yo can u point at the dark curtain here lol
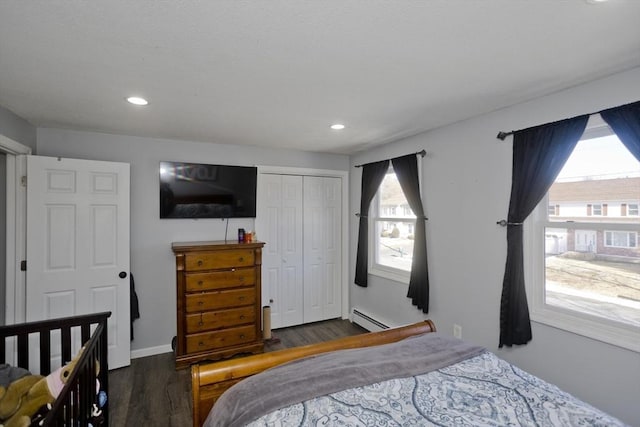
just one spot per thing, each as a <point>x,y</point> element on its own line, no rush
<point>539,153</point>
<point>625,122</point>
<point>406,169</point>
<point>372,176</point>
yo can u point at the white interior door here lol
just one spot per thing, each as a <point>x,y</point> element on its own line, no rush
<point>280,226</point>
<point>332,247</point>
<point>78,244</point>
<point>322,248</point>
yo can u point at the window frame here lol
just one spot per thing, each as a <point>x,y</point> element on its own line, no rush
<point>380,270</point>
<point>594,327</point>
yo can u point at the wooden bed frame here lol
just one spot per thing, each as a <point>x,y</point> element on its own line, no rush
<point>74,405</point>
<point>210,380</point>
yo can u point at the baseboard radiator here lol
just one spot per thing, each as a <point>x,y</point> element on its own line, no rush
<point>366,321</point>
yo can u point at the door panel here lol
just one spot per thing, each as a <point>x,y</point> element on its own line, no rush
<point>281,219</point>
<point>322,248</point>
<point>78,243</point>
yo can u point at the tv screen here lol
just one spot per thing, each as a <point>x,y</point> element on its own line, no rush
<point>193,190</point>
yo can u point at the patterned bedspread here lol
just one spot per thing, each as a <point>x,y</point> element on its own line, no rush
<point>481,391</point>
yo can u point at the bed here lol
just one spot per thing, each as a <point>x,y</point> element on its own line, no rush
<point>34,345</point>
<point>405,376</point>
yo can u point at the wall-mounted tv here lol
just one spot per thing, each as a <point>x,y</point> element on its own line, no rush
<point>194,190</point>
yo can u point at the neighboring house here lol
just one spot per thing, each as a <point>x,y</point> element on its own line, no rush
<point>599,201</point>
<point>393,204</point>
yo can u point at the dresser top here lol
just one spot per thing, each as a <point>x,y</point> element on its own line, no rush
<point>213,245</point>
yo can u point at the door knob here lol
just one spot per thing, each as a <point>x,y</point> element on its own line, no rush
<point>122,275</point>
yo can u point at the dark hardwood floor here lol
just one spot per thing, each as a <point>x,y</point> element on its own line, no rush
<point>151,392</point>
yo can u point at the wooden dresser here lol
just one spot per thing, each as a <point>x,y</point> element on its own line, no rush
<point>218,300</point>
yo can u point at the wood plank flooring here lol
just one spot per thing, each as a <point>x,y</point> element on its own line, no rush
<point>151,392</point>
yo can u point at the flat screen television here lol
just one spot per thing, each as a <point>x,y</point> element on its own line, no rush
<point>194,190</point>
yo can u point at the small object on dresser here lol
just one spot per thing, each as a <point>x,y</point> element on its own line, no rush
<point>240,235</point>
<point>248,237</point>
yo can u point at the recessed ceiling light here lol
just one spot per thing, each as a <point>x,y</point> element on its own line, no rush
<point>136,100</point>
<point>337,126</point>
<point>595,1</point>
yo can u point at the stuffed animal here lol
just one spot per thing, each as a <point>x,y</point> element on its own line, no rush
<point>27,395</point>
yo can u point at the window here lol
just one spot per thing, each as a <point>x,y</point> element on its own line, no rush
<point>392,228</point>
<point>620,239</point>
<point>585,274</point>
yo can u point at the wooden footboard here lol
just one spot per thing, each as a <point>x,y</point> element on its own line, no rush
<point>210,380</point>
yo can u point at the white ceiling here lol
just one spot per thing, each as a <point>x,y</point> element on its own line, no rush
<point>279,72</point>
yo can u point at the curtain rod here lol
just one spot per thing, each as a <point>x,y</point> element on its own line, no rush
<point>502,135</point>
<point>422,154</point>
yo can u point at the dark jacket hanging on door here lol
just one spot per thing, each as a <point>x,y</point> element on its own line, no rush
<point>135,308</point>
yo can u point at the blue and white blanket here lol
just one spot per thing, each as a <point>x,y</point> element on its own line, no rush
<point>479,390</point>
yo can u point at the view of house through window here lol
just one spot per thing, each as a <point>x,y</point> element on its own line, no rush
<point>394,227</point>
<point>592,252</point>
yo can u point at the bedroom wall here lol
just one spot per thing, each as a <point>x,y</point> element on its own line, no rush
<point>15,127</point>
<point>466,186</point>
<point>152,261</point>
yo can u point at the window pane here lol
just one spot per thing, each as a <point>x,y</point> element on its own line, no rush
<point>392,202</point>
<point>395,244</point>
<point>393,247</point>
<point>588,282</point>
<point>595,269</point>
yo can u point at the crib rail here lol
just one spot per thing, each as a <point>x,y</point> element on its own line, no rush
<point>75,403</point>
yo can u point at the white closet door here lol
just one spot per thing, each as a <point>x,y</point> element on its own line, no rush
<point>332,248</point>
<point>280,227</point>
<point>322,253</point>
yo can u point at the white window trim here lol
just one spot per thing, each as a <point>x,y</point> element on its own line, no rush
<point>598,328</point>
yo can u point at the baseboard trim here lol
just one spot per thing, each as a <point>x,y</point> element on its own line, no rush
<point>367,322</point>
<point>151,351</point>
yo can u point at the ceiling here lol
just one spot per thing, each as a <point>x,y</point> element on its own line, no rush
<point>278,73</point>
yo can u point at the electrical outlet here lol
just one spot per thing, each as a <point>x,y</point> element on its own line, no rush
<point>457,331</point>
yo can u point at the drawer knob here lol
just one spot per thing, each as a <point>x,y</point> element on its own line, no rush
<point>201,344</point>
<point>233,269</point>
<point>200,323</point>
<point>241,335</point>
<point>199,262</point>
<point>241,316</point>
<point>200,302</point>
<point>241,279</point>
<point>199,282</point>
<point>241,298</point>
<point>241,259</point>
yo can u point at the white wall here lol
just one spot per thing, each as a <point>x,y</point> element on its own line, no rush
<point>466,187</point>
<point>152,261</point>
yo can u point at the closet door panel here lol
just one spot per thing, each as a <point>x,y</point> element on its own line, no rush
<point>270,196</point>
<point>313,249</point>
<point>292,250</point>
<point>281,228</point>
<point>332,247</point>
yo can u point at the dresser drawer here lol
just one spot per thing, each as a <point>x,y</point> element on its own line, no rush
<point>205,301</point>
<point>211,320</point>
<point>199,261</point>
<point>226,337</point>
<point>220,279</point>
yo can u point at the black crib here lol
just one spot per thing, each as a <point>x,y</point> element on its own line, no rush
<point>75,404</point>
